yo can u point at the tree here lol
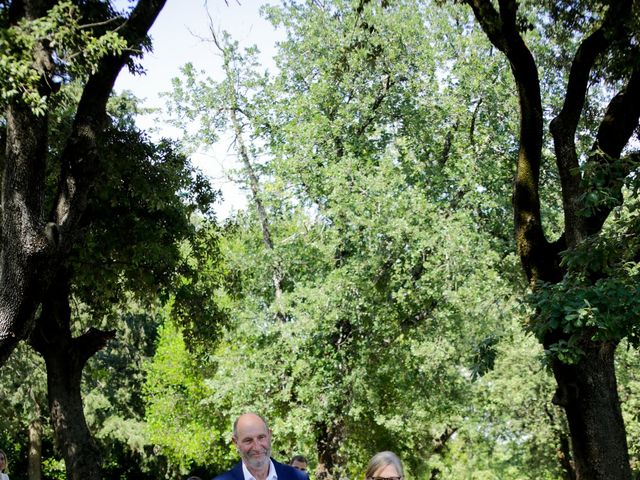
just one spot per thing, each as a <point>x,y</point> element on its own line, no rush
<point>229,105</point>
<point>44,44</point>
<point>24,410</point>
<point>135,225</point>
<point>510,430</point>
<point>178,416</point>
<point>112,392</point>
<point>138,231</point>
<point>579,317</point>
<point>374,229</point>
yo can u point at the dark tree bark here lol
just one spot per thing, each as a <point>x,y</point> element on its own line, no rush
<point>588,393</point>
<point>439,447</point>
<point>328,439</point>
<point>33,243</point>
<point>65,357</point>
<point>586,390</point>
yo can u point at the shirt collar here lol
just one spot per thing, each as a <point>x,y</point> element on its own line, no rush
<point>271,475</point>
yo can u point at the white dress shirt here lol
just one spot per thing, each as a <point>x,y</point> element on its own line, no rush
<point>271,475</point>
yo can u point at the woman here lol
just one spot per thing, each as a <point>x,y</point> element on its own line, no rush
<point>384,466</point>
<point>3,465</point>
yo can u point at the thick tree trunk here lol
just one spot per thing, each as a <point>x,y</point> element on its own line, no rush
<point>35,450</point>
<point>65,358</point>
<point>32,245</point>
<point>24,243</point>
<point>81,454</point>
<point>588,393</point>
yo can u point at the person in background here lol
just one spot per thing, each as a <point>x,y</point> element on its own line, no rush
<point>252,438</point>
<point>3,466</point>
<point>299,462</point>
<point>384,466</point>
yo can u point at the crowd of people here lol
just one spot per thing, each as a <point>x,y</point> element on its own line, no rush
<point>252,438</point>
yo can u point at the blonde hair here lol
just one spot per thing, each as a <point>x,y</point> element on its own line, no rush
<point>381,460</point>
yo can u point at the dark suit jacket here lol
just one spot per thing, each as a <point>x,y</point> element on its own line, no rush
<point>284,472</point>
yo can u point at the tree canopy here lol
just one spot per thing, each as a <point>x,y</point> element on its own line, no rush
<point>438,255</point>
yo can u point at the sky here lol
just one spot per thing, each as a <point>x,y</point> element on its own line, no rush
<point>177,39</point>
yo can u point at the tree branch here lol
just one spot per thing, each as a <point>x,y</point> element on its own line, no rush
<point>80,157</point>
<point>90,342</point>
<point>617,127</point>
<point>502,31</point>
<point>563,127</point>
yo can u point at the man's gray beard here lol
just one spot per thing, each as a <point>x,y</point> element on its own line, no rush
<point>259,463</point>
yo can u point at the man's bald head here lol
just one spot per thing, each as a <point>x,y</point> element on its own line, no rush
<point>248,418</point>
<point>252,437</point>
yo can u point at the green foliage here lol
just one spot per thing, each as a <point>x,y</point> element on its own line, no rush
<point>112,395</point>
<point>152,192</point>
<point>598,297</point>
<point>385,160</point>
<point>75,47</point>
<point>177,417</point>
<point>512,430</point>
<point>628,371</point>
<point>200,106</point>
<point>23,393</point>
<point>602,180</point>
<point>54,469</point>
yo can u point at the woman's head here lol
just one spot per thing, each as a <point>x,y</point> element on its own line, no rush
<point>3,461</point>
<point>384,466</point>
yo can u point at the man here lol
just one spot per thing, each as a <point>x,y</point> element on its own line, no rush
<point>299,463</point>
<point>252,438</point>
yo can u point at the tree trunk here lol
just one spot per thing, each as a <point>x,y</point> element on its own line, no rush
<point>257,200</point>
<point>588,393</point>
<point>243,152</point>
<point>23,242</point>
<point>65,358</point>
<point>328,438</point>
<point>32,245</point>
<point>81,454</point>
<point>35,450</point>
<point>587,390</point>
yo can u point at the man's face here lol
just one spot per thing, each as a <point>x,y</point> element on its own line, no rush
<point>299,465</point>
<point>253,441</point>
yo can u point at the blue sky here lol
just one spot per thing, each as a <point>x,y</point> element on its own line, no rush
<point>176,36</point>
<point>175,40</point>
